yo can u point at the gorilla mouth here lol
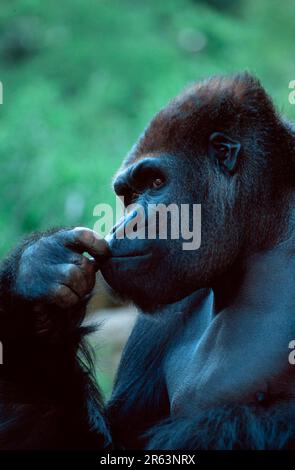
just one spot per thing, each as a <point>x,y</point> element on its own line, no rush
<point>127,250</point>
<point>130,256</point>
<point>127,261</point>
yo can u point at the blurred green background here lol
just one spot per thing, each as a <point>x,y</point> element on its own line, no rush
<point>81,80</point>
<point>83,77</point>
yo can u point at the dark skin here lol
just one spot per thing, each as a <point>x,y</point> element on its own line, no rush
<point>65,276</point>
<point>235,364</point>
<point>222,145</point>
<point>224,367</point>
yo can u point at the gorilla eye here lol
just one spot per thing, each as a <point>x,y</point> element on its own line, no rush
<point>157,183</point>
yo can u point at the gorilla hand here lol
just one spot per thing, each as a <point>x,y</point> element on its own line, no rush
<point>53,268</point>
<point>45,284</point>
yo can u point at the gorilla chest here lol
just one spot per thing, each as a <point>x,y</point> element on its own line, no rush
<point>228,359</point>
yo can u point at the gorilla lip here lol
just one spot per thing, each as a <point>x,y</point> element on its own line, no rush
<point>129,256</point>
<point>127,259</point>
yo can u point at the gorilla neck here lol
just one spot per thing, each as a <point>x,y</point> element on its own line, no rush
<point>265,279</point>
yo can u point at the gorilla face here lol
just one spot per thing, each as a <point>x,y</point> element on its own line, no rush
<point>145,268</point>
<point>209,146</point>
<point>167,266</point>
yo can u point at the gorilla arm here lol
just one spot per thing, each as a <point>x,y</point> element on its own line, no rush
<point>46,394</point>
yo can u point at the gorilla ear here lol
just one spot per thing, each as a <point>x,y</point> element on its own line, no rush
<point>225,150</point>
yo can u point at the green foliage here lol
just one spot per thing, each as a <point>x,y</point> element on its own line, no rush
<point>83,77</point>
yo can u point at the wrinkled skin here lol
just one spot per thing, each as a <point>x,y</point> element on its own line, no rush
<point>65,276</point>
<point>187,270</point>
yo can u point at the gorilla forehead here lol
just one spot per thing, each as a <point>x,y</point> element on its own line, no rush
<point>219,103</point>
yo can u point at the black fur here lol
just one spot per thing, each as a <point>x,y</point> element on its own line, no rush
<point>240,427</point>
<point>48,396</point>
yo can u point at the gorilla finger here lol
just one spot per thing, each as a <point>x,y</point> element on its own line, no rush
<point>88,268</point>
<point>82,239</point>
<point>64,297</point>
<point>75,279</point>
<point>79,281</point>
<point>85,262</point>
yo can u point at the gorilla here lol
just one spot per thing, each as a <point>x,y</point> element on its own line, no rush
<point>206,365</point>
<point>209,368</point>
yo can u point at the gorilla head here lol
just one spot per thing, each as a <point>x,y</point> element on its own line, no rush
<point>219,144</point>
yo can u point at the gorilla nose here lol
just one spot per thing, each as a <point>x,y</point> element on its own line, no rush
<point>114,230</point>
<point>122,183</point>
<point>125,226</point>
